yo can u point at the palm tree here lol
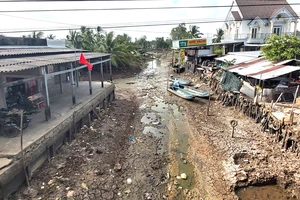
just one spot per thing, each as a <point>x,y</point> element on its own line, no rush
<point>218,36</point>
<point>51,36</point>
<point>122,53</point>
<point>74,39</point>
<point>179,32</point>
<point>36,34</point>
<point>194,32</point>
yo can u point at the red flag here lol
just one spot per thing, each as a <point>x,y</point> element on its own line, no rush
<point>82,60</point>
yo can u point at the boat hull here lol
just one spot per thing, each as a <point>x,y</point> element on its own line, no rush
<point>182,93</point>
<point>197,92</point>
<point>181,81</point>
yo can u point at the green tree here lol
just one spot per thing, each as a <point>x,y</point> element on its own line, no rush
<point>194,32</point>
<point>74,39</point>
<point>36,34</point>
<point>122,54</point>
<point>282,47</point>
<point>51,36</point>
<point>218,37</point>
<point>179,32</point>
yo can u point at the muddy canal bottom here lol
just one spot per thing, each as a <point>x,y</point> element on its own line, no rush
<point>167,123</point>
<point>269,192</point>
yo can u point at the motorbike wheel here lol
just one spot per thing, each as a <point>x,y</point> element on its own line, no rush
<point>9,130</point>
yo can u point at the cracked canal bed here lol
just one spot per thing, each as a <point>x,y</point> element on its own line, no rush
<point>167,123</point>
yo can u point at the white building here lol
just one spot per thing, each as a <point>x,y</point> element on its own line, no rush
<point>250,22</point>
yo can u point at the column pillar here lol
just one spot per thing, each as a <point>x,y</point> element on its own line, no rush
<point>46,94</point>
<point>73,86</point>
<point>271,27</point>
<point>110,70</point>
<point>288,27</point>
<point>295,27</point>
<point>101,68</point>
<point>60,81</point>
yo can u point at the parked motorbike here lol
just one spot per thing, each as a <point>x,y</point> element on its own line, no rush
<point>10,121</point>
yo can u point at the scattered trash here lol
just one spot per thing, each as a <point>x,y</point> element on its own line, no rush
<point>131,126</point>
<point>119,194</point>
<point>176,183</point>
<point>183,176</point>
<point>83,185</point>
<point>156,123</point>
<point>42,187</point>
<point>68,188</point>
<point>131,139</point>
<point>50,182</point>
<point>148,196</point>
<point>178,177</point>
<point>117,167</point>
<point>179,188</point>
<point>162,119</point>
<point>168,175</point>
<point>127,191</point>
<point>129,181</point>
<point>70,193</point>
<point>184,161</point>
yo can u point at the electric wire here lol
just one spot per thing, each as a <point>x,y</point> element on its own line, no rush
<point>144,8</point>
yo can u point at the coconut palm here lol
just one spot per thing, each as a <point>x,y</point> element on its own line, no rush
<point>51,36</point>
<point>36,34</point>
<point>194,32</point>
<point>74,39</point>
<point>218,36</point>
<point>179,32</point>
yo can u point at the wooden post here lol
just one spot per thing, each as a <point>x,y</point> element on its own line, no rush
<point>292,112</point>
<point>47,108</point>
<point>73,86</point>
<point>22,150</point>
<point>102,79</point>
<point>110,70</point>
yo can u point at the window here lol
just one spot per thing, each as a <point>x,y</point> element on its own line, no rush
<point>254,33</point>
<point>277,30</point>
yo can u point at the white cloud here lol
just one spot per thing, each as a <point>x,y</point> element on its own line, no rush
<point>114,18</point>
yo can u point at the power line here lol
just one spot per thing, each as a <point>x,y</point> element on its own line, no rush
<point>120,26</point>
<point>142,8</point>
<point>108,27</point>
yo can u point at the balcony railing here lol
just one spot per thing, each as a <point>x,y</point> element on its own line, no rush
<point>259,38</point>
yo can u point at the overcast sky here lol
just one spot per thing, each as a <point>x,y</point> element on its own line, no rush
<point>15,21</point>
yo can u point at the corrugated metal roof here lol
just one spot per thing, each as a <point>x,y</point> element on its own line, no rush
<point>19,64</point>
<point>26,51</point>
<point>240,56</point>
<point>263,69</point>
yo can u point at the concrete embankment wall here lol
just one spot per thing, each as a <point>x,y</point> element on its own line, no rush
<point>45,147</point>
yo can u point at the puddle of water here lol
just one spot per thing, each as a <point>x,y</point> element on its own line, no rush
<point>269,192</point>
<point>149,118</point>
<point>174,121</point>
<point>153,131</point>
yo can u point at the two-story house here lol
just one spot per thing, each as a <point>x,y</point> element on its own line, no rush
<point>250,22</point>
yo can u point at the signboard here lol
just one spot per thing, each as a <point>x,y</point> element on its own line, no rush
<point>182,55</point>
<point>183,43</point>
<point>198,42</point>
<point>192,43</point>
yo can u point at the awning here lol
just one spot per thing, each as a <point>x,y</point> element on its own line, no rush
<point>8,65</point>
<point>261,68</point>
<point>275,73</point>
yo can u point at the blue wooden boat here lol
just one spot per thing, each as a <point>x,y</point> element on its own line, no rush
<point>181,93</point>
<point>181,81</point>
<point>196,92</point>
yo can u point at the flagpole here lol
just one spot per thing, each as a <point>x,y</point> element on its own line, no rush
<point>90,79</point>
